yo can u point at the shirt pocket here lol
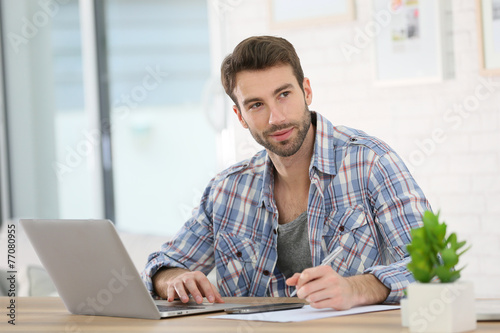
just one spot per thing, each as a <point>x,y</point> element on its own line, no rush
<point>349,229</point>
<point>236,258</point>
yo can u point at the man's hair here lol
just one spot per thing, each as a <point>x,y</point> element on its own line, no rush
<point>256,53</point>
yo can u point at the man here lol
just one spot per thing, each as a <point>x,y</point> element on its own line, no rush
<point>268,222</point>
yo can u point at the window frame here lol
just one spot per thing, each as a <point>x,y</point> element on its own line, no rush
<point>5,190</point>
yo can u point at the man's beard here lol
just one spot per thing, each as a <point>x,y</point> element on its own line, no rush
<point>287,147</point>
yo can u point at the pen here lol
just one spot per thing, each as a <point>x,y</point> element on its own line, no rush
<point>328,259</point>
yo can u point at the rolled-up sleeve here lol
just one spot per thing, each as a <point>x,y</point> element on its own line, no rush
<point>398,205</point>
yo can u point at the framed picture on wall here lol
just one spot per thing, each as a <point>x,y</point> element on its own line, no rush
<point>408,48</point>
<point>488,19</point>
<point>300,13</point>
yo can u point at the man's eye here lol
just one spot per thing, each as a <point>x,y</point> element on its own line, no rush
<point>256,105</point>
<point>284,94</point>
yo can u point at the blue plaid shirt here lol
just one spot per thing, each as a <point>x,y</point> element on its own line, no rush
<point>362,198</point>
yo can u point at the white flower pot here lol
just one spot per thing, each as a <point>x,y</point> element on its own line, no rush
<point>441,307</point>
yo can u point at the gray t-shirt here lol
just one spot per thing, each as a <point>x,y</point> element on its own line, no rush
<point>294,252</point>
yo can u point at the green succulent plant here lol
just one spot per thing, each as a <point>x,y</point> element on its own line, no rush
<point>432,253</point>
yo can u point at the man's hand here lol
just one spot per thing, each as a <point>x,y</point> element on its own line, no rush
<point>172,283</point>
<point>322,287</point>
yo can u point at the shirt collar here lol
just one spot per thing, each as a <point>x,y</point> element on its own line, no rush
<point>323,158</point>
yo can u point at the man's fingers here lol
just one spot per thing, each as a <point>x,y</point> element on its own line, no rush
<point>206,288</point>
<point>312,280</point>
<point>292,281</point>
<point>315,292</point>
<point>313,273</point>
<point>192,285</point>
<point>218,297</point>
<point>209,290</point>
<point>178,285</point>
<point>324,303</point>
<point>183,285</point>
<point>305,277</point>
<point>171,294</point>
<point>198,285</point>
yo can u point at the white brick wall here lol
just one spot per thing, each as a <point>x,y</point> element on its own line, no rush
<point>461,176</point>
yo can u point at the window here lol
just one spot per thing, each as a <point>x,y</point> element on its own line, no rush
<point>163,145</point>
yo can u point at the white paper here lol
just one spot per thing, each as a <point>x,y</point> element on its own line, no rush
<point>305,313</point>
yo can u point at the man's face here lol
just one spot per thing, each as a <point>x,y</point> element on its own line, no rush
<point>274,108</point>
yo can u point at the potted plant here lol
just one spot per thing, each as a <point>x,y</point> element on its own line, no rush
<point>438,301</point>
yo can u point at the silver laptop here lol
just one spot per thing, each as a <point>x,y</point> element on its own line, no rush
<point>94,274</point>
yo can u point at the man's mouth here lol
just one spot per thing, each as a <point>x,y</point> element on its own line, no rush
<point>282,135</point>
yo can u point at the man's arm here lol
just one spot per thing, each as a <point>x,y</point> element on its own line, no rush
<point>181,253</point>
<point>322,287</point>
<point>398,204</point>
<point>172,283</point>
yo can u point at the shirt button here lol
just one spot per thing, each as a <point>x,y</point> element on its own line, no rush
<point>239,254</point>
<point>341,228</point>
<point>354,139</point>
<point>266,272</point>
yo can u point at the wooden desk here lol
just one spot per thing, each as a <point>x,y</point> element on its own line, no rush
<point>48,314</point>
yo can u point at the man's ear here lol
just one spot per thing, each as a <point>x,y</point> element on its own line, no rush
<point>307,91</point>
<point>240,117</point>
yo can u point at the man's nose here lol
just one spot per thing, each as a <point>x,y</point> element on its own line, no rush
<point>277,114</point>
